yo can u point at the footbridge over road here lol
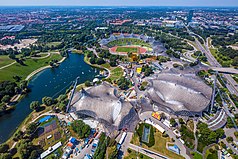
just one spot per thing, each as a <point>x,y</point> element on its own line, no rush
<point>227,70</point>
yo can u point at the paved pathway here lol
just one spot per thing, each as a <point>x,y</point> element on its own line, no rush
<point>41,69</point>
<point>147,152</point>
<point>7,65</point>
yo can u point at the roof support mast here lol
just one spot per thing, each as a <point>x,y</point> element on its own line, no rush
<point>72,94</point>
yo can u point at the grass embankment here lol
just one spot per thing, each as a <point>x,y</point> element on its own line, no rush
<point>29,66</point>
<point>193,44</point>
<point>26,121</point>
<point>116,73</point>
<point>211,153</point>
<point>235,77</point>
<point>223,60</point>
<point>209,42</point>
<point>159,146</point>
<point>131,154</point>
<point>196,155</point>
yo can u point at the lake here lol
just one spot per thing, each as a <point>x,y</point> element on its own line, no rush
<point>50,82</point>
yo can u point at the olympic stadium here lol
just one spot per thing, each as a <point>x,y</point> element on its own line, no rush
<point>102,103</point>
<point>145,44</point>
<point>179,94</point>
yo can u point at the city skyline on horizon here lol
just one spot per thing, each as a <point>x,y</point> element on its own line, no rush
<point>172,3</point>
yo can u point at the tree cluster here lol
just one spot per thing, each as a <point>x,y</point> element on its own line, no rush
<point>207,136</point>
<point>123,83</point>
<point>82,129</point>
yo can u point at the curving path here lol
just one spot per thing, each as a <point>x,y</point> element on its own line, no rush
<point>41,69</point>
<point>7,65</point>
<point>43,57</point>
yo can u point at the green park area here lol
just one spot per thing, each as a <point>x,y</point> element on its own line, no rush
<point>116,73</point>
<point>127,49</point>
<point>225,61</point>
<point>159,143</point>
<point>28,66</point>
<point>5,60</point>
<point>196,155</point>
<point>211,153</point>
<point>128,41</point>
<point>131,154</point>
<point>53,44</point>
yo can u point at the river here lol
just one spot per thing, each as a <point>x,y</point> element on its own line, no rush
<point>49,82</point>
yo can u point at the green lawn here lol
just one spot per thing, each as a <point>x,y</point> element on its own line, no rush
<point>5,60</point>
<point>160,145</point>
<point>127,49</point>
<point>53,43</point>
<point>196,155</point>
<point>211,155</point>
<point>30,66</point>
<point>116,73</point>
<point>133,155</point>
<point>223,60</point>
<point>128,41</point>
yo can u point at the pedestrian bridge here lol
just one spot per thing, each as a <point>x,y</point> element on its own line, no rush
<point>225,70</point>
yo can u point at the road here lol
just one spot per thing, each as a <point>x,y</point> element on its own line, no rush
<point>147,152</point>
<point>85,150</point>
<point>231,83</point>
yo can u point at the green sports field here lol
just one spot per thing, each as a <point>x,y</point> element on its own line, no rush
<point>127,49</point>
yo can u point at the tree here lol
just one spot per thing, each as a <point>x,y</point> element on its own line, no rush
<point>100,61</point>
<point>229,123</point>
<point>87,83</point>
<point>31,128</point>
<point>5,156</point>
<point>6,99</point>
<point>92,60</point>
<point>4,148</point>
<point>61,97</point>
<point>23,85</point>
<point>173,122</point>
<point>181,121</point>
<point>220,133</point>
<point>34,154</point>
<point>230,151</point>
<point>17,78</point>
<point>35,105</point>
<point>236,134</point>
<point>12,56</point>
<point>82,129</point>
<point>47,101</point>
<point>17,136</point>
<point>123,83</point>
<point>229,139</point>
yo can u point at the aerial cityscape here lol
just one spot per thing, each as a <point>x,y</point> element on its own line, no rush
<point>119,80</point>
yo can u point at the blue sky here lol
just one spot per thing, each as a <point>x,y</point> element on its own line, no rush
<point>119,2</point>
